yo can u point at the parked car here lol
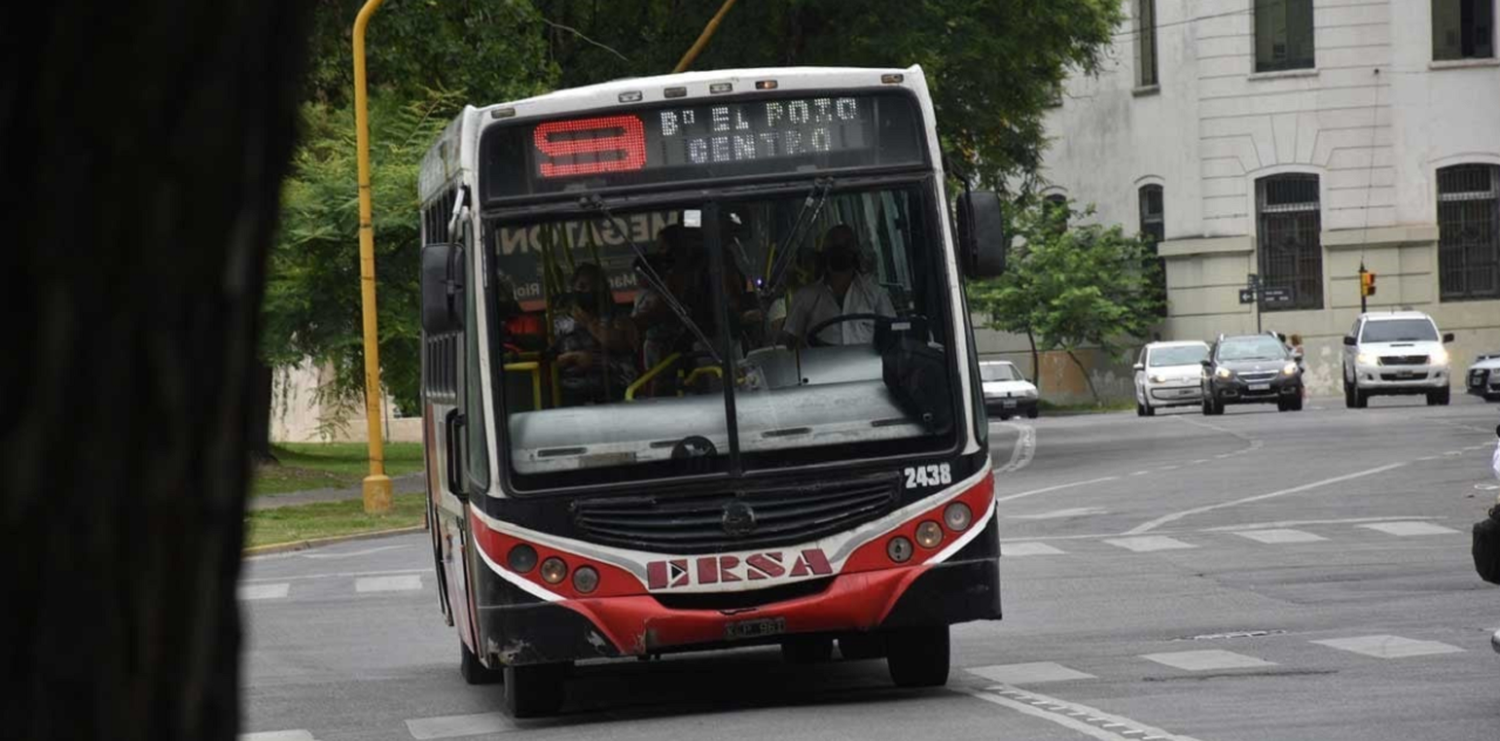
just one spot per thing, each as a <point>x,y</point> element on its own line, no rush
<point>1006,390</point>
<point>1169,374</point>
<point>1484,377</point>
<point>1398,352</point>
<point>1251,369</point>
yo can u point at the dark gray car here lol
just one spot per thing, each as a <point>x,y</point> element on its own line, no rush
<point>1251,369</point>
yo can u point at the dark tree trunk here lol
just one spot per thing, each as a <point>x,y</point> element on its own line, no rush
<point>1088,379</point>
<point>143,145</point>
<point>1036,360</point>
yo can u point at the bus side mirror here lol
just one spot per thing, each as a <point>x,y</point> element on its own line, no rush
<point>982,242</point>
<point>442,288</point>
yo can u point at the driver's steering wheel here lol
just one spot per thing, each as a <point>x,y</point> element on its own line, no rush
<point>811,339</point>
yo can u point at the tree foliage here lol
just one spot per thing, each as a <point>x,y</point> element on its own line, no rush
<point>1072,286</point>
<point>992,65</point>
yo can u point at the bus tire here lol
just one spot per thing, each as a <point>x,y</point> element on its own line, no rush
<point>807,650</point>
<point>535,690</point>
<point>918,657</point>
<point>474,672</point>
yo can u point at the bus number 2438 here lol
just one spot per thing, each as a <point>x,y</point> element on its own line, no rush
<point>935,475</point>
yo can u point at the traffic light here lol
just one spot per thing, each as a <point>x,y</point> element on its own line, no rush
<point>1366,283</point>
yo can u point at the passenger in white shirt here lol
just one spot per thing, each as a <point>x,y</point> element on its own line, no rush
<point>842,290</point>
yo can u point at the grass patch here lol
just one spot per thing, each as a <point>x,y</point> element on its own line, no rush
<point>303,466</point>
<point>329,519</point>
<point>1123,405</point>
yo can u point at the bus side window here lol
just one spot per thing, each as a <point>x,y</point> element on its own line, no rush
<point>476,449</point>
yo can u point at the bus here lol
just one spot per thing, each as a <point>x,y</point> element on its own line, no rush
<point>698,374</point>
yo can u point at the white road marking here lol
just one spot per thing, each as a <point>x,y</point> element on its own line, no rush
<point>1149,543</point>
<point>264,591</point>
<point>1139,473</point>
<point>1059,513</point>
<point>453,726</point>
<point>339,575</point>
<point>1280,535</point>
<point>1299,523</point>
<point>1033,673</point>
<point>1024,450</point>
<point>298,735</point>
<point>404,583</point>
<point>1169,468</point>
<point>1207,660</point>
<point>1028,549</point>
<point>350,554</point>
<point>1389,647</point>
<point>1018,700</point>
<point>1158,522</point>
<point>1405,529</point>
<point>1059,487</point>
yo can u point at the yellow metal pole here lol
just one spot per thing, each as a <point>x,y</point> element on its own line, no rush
<point>377,486</point>
<point>708,33</point>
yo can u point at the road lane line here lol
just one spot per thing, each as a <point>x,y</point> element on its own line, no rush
<point>1059,487</point>
<point>337,575</point>
<point>298,735</point>
<point>1149,543</point>
<point>1277,536</point>
<point>1018,700</point>
<point>1207,660</point>
<point>453,726</point>
<point>1389,647</point>
<point>1028,549</point>
<point>350,554</point>
<point>1300,523</point>
<point>249,592</point>
<point>1175,516</point>
<point>1032,673</point>
<point>1406,529</point>
<point>388,583</point>
<point>1024,449</point>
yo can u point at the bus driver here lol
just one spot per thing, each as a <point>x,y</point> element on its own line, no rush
<point>842,290</point>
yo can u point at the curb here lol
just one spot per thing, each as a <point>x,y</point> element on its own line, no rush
<point>302,545</point>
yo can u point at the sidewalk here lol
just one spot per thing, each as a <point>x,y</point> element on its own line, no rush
<point>410,483</point>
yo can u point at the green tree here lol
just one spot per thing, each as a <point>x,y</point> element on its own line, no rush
<point>1072,285</point>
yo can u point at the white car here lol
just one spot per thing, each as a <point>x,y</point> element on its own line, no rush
<point>1484,378</point>
<point>1397,352</point>
<point>1169,374</point>
<point>1006,390</point>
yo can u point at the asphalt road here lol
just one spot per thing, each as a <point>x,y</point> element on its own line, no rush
<point>1259,575</point>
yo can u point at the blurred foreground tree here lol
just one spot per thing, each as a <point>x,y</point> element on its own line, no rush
<point>143,145</point>
<point>1072,285</point>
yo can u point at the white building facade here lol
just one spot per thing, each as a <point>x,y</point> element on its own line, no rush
<point>1297,140</point>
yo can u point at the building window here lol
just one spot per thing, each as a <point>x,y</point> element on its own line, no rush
<point>1154,231</point>
<point>1463,29</point>
<point>1283,35</point>
<point>1291,247</point>
<point>1145,43</point>
<point>1469,232</point>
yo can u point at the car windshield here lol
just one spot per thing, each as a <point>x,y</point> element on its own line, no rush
<point>999,372</point>
<point>1177,355</point>
<point>1399,330</point>
<point>827,311</point>
<point>1262,347</point>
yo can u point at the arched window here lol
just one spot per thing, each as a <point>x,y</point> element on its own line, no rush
<point>1469,232</point>
<point>1290,244</point>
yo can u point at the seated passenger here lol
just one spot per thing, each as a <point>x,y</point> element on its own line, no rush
<point>594,344</point>
<point>844,289</point>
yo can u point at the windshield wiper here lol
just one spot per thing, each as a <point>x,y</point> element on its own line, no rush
<point>648,271</point>
<point>783,261</point>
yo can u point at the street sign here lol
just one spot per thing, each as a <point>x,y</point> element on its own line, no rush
<point>1276,296</point>
<point>1253,280</point>
<point>1247,295</point>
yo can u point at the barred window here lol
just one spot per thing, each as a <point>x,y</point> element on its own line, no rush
<point>1291,247</point>
<point>1463,29</point>
<point>1153,229</point>
<point>1283,35</point>
<point>1145,43</point>
<point>1469,232</point>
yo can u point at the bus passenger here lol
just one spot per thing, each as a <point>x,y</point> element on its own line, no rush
<point>843,290</point>
<point>595,344</point>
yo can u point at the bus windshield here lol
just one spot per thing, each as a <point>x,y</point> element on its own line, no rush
<point>625,328</point>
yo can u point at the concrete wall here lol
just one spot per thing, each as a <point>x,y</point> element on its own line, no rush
<point>1059,380</point>
<point>298,415</point>
<point>1213,127</point>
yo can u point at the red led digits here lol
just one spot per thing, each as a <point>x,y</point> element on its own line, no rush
<point>592,136</point>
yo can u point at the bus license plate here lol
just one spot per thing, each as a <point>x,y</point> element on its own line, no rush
<point>745,629</point>
<point>1260,387</point>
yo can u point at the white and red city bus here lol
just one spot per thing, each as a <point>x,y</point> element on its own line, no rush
<point>698,374</point>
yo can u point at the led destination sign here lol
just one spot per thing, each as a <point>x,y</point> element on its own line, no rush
<point>701,142</point>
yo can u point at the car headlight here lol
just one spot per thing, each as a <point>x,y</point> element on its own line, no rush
<point>1290,369</point>
<point>1439,357</point>
<point>1364,358</point>
<point>1224,373</point>
<point>1158,379</point>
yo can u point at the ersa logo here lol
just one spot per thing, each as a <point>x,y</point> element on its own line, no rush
<point>769,566</point>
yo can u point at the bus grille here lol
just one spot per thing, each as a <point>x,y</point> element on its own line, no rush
<point>707,523</point>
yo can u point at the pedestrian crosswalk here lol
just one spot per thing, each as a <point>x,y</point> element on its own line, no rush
<point>1204,538</point>
<point>333,586</point>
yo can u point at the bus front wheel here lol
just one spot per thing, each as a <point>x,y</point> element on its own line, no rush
<point>535,690</point>
<point>474,672</point>
<point>918,657</point>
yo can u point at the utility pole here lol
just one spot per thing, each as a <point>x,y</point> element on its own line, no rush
<point>377,486</point>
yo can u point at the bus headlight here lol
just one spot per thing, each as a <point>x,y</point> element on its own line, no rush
<point>522,558</point>
<point>899,549</point>
<point>585,579</point>
<point>929,534</point>
<point>958,517</point>
<point>554,570</point>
